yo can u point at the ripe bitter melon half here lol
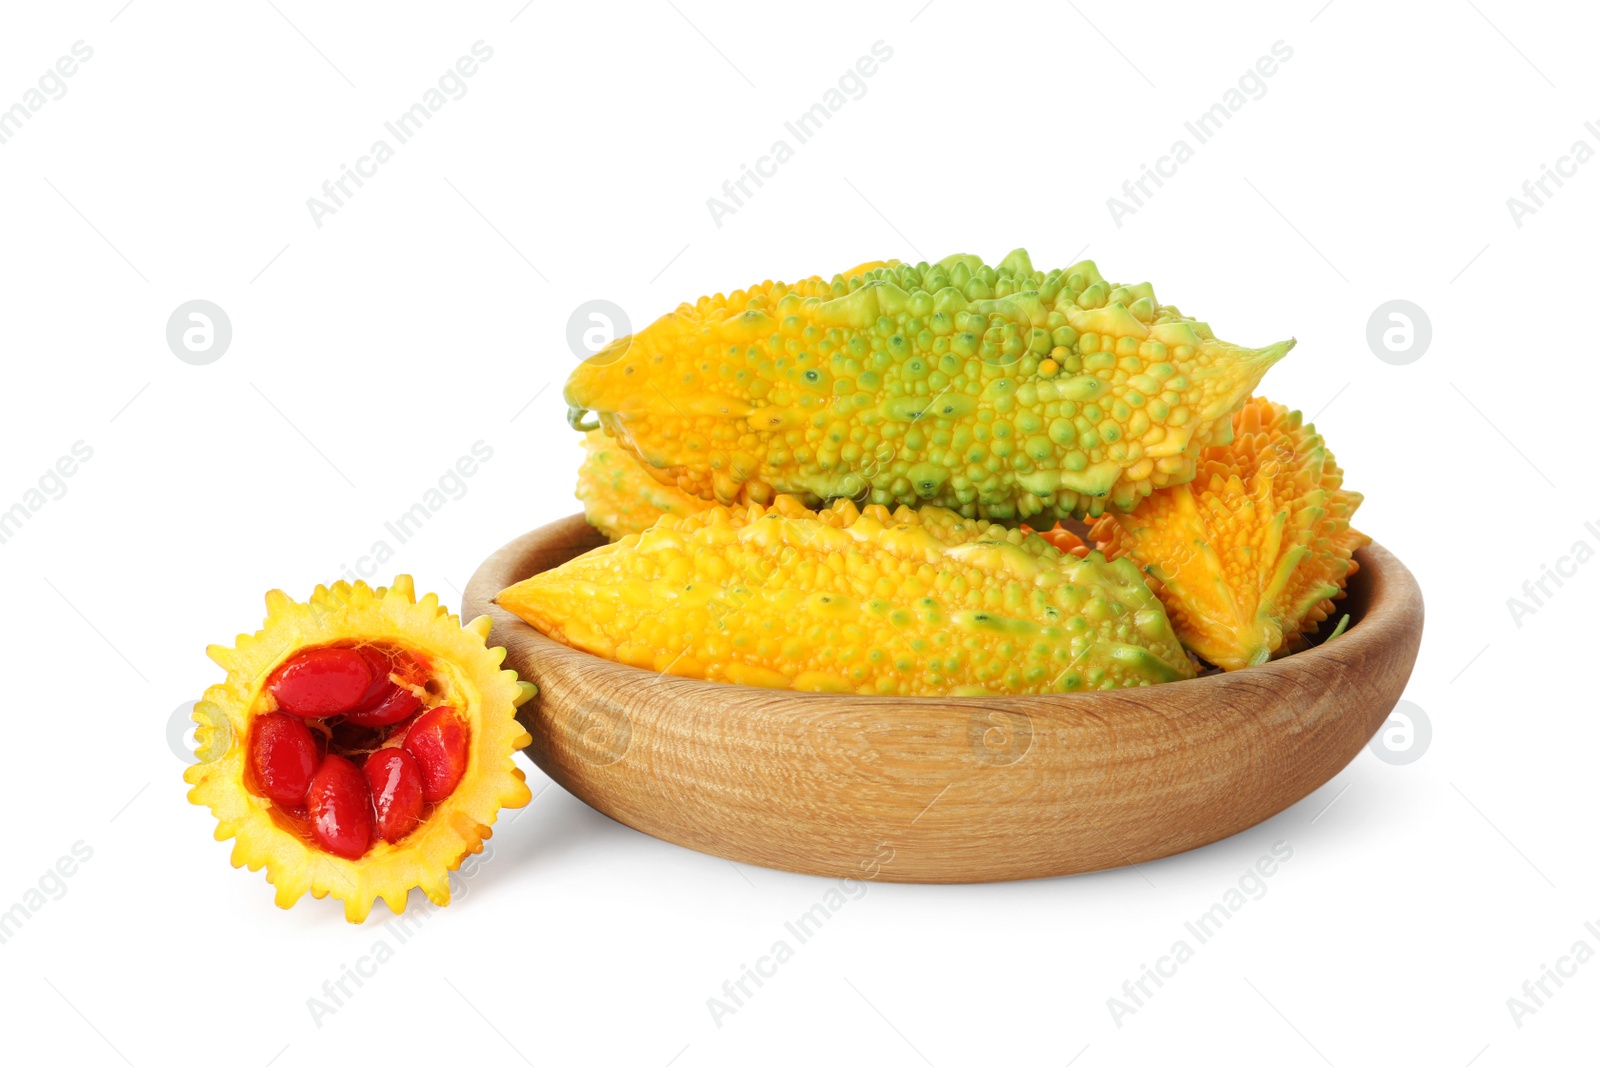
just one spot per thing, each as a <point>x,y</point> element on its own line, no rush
<point>360,745</point>
<point>1003,393</point>
<point>1250,556</point>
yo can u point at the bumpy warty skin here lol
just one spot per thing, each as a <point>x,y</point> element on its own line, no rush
<point>1002,393</point>
<point>619,496</point>
<point>913,602</point>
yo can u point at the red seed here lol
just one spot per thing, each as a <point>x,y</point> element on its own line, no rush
<point>438,742</point>
<point>396,785</point>
<point>378,663</point>
<point>387,702</point>
<point>397,705</point>
<point>341,809</point>
<point>320,682</point>
<point>283,757</point>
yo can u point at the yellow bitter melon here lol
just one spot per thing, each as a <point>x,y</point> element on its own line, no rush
<point>1001,392</point>
<point>620,495</point>
<point>1252,553</point>
<point>847,600</point>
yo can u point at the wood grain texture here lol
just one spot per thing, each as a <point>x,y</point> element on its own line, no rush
<point>951,789</point>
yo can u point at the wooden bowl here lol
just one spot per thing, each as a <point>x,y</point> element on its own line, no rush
<point>950,789</point>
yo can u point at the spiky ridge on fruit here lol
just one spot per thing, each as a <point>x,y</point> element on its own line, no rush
<point>916,602</point>
<point>485,695</point>
<point>1001,392</point>
<point>621,495</point>
<point>1253,552</point>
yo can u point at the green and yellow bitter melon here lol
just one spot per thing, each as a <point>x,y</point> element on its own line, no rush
<point>1002,393</point>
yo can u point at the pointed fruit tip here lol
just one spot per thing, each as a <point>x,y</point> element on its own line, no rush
<point>1272,353</point>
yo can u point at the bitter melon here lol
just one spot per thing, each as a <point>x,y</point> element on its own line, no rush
<point>1252,553</point>
<point>360,745</point>
<point>620,496</point>
<point>846,600</point>
<point>1001,392</point>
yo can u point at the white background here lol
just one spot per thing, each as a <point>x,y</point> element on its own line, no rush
<point>429,313</point>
